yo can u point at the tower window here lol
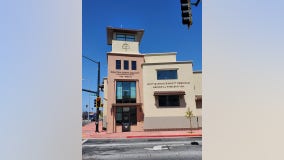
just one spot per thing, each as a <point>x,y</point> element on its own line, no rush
<point>133,65</point>
<point>126,64</point>
<point>118,64</point>
<point>125,37</point>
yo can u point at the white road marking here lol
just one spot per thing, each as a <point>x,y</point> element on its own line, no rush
<point>84,141</point>
<point>163,147</point>
<point>157,148</point>
<point>175,145</point>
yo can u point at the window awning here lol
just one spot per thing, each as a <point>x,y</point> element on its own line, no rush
<point>160,93</point>
<point>198,97</point>
<point>126,104</point>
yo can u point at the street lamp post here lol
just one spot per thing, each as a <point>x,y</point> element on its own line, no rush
<point>98,91</point>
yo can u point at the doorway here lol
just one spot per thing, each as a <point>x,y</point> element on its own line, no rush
<point>125,115</point>
<point>126,119</point>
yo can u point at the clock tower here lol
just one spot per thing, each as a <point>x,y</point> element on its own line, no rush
<point>125,41</point>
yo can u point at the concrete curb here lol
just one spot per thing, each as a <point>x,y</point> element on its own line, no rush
<point>161,136</point>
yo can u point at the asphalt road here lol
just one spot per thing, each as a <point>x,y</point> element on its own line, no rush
<point>143,149</point>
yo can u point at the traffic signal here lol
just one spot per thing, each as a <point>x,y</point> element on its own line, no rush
<point>98,102</point>
<point>186,12</point>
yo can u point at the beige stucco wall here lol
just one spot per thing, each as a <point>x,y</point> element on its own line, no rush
<point>197,81</point>
<point>117,47</point>
<point>160,57</point>
<point>178,122</point>
<point>150,76</point>
<point>157,117</point>
<point>105,102</point>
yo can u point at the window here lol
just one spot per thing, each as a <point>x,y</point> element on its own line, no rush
<point>118,64</point>
<point>133,65</point>
<point>125,37</point>
<point>126,64</point>
<point>125,92</point>
<point>118,115</point>
<point>198,103</point>
<point>133,115</point>
<point>130,38</point>
<point>168,100</point>
<point>166,74</point>
<point>126,115</point>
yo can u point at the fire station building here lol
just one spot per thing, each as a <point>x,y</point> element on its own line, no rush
<point>149,91</point>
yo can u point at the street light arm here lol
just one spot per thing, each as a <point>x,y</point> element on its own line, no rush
<point>89,91</point>
<point>196,3</point>
<point>90,59</point>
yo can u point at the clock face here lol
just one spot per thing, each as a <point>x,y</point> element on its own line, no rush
<point>125,46</point>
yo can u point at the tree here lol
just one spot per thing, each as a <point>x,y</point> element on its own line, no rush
<point>188,115</point>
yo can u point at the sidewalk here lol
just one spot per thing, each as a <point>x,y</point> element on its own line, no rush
<point>89,132</point>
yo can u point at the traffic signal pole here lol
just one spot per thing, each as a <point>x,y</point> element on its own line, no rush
<point>97,93</point>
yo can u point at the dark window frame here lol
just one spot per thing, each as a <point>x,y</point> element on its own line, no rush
<point>125,37</point>
<point>126,64</point>
<point>168,101</point>
<point>133,65</point>
<point>198,103</point>
<point>132,115</point>
<point>126,92</point>
<point>118,110</point>
<point>167,74</point>
<point>118,64</point>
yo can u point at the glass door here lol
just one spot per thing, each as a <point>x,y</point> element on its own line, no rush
<point>126,119</point>
<point>126,115</point>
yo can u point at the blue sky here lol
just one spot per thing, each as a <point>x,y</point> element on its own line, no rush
<point>163,32</point>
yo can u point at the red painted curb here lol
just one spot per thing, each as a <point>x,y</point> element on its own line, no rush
<point>180,135</point>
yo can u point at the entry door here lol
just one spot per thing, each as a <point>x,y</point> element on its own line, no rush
<point>126,115</point>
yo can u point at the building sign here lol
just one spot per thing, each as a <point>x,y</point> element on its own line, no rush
<point>125,74</point>
<point>168,84</point>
